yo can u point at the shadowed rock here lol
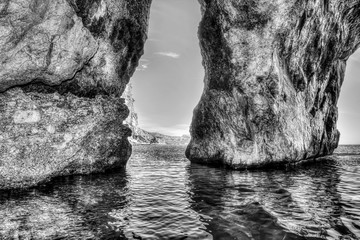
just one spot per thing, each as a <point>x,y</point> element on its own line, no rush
<point>274,70</point>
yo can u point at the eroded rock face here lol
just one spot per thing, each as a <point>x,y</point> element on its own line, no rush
<point>273,75</point>
<point>63,67</point>
<point>49,42</point>
<point>49,135</point>
<point>41,40</point>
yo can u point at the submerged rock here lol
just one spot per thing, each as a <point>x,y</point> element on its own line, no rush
<point>274,70</point>
<point>63,67</point>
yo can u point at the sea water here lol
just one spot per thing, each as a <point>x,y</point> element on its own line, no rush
<point>161,195</point>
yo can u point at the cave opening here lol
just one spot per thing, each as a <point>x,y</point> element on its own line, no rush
<point>348,104</point>
<point>168,82</point>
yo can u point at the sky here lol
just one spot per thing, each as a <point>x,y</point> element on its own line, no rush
<point>349,102</point>
<point>169,80</point>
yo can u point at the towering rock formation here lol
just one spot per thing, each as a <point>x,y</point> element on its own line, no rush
<point>273,75</point>
<point>63,67</point>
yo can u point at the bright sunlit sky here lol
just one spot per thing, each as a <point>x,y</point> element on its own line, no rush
<point>169,80</point>
<point>349,102</point>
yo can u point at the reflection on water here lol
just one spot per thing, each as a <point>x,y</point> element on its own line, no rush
<point>162,196</point>
<point>276,204</point>
<point>73,207</point>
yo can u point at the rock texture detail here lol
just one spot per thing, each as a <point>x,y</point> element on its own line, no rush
<point>63,67</point>
<point>47,135</point>
<point>274,70</point>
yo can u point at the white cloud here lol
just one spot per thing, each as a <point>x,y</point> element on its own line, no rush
<point>169,54</point>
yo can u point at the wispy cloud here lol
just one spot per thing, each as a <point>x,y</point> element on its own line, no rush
<point>143,65</point>
<point>168,54</point>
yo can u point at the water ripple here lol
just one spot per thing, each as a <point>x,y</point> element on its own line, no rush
<point>162,196</point>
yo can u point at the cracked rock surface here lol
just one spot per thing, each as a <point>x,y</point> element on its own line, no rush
<point>63,67</point>
<point>41,40</point>
<point>48,135</point>
<point>273,73</point>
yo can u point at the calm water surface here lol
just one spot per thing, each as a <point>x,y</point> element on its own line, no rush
<point>162,196</point>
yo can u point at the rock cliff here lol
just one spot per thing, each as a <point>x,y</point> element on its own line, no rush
<point>63,67</point>
<point>141,136</point>
<point>273,73</point>
<point>138,135</point>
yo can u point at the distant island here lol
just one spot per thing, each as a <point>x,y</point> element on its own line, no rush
<point>141,136</point>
